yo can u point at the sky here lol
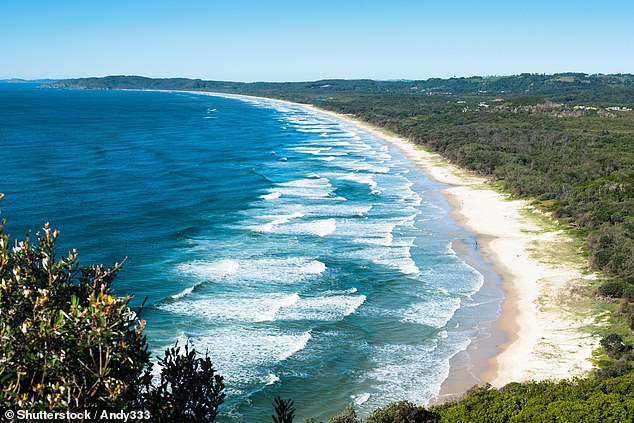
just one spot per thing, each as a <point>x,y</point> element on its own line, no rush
<point>271,40</point>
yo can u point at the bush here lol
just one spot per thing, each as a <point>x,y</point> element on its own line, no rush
<point>402,412</point>
<point>188,391</point>
<point>620,368</point>
<point>349,415</point>
<point>68,344</point>
<point>612,289</point>
<point>615,347</point>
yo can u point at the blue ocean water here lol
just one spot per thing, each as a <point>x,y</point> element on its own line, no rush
<point>310,259</point>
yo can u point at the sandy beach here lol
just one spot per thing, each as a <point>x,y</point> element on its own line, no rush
<point>541,318</point>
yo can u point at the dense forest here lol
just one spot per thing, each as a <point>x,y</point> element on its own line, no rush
<point>566,141</point>
<point>607,90</point>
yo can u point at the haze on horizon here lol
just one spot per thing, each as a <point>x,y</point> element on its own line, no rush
<point>246,40</point>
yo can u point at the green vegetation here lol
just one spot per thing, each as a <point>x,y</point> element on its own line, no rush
<point>566,87</point>
<point>284,410</point>
<point>567,401</point>
<point>68,345</point>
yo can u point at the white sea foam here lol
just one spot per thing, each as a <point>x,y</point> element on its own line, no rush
<point>304,119</point>
<point>214,270</point>
<point>231,307</point>
<point>395,257</point>
<point>449,275</point>
<point>478,280</point>
<point>322,227</point>
<point>259,270</point>
<point>275,221</point>
<point>308,187</point>
<point>183,293</point>
<point>308,183</point>
<point>405,372</point>
<point>272,379</point>
<point>339,210</point>
<point>241,355</point>
<point>411,372</point>
<point>315,129</point>
<point>404,241</point>
<point>271,196</point>
<point>309,150</point>
<point>322,210</point>
<point>368,231</point>
<point>435,313</point>
<point>283,269</point>
<point>401,189</point>
<point>328,308</point>
<point>361,398</point>
<point>361,178</point>
<point>363,165</point>
<point>342,292</point>
<point>359,147</point>
<point>333,154</point>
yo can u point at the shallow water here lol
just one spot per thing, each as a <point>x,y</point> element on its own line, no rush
<point>310,259</point>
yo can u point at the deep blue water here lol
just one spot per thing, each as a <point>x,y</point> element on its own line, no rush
<point>309,258</point>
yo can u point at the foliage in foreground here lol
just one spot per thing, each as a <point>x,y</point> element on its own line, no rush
<point>284,410</point>
<point>68,344</point>
<point>568,401</point>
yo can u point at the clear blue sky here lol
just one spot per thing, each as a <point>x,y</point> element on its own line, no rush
<point>272,40</point>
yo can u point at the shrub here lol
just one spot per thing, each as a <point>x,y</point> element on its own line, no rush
<point>402,412</point>
<point>614,346</point>
<point>67,343</point>
<point>188,391</point>
<point>349,415</point>
<point>612,289</point>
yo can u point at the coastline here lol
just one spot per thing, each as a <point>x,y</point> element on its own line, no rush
<point>543,336</point>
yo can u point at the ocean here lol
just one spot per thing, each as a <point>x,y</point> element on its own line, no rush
<point>310,259</point>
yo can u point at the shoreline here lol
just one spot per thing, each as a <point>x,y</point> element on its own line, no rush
<point>544,335</point>
<point>542,329</point>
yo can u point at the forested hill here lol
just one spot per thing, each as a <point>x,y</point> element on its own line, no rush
<point>605,90</point>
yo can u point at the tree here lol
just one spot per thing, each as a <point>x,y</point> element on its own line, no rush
<point>284,410</point>
<point>189,391</point>
<point>402,412</point>
<point>67,343</point>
